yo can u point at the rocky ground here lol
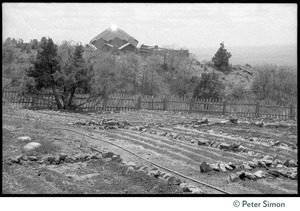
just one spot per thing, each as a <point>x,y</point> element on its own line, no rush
<point>237,155</point>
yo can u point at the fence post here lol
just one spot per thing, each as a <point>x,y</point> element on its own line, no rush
<point>104,103</point>
<point>257,110</point>
<point>139,103</point>
<point>191,105</point>
<point>152,102</point>
<point>224,107</point>
<point>291,111</point>
<point>165,104</point>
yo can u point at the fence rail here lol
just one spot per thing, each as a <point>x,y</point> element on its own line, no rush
<point>173,103</point>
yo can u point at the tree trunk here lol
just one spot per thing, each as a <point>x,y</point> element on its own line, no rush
<point>59,106</point>
<point>71,97</point>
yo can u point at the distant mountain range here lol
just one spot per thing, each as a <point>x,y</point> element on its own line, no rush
<point>254,55</point>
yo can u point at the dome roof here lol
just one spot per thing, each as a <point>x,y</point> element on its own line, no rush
<point>110,34</point>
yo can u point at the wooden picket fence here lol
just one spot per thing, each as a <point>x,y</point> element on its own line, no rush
<point>172,103</point>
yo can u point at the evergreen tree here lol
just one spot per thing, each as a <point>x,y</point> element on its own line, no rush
<point>221,58</point>
<point>208,86</point>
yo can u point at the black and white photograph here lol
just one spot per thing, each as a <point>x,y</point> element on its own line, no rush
<point>150,99</point>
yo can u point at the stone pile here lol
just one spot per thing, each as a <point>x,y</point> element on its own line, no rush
<point>105,123</point>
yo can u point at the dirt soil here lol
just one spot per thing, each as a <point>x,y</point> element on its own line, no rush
<point>178,150</point>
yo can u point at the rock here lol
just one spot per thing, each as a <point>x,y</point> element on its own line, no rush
<point>276,143</point>
<point>177,181</point>
<point>193,141</point>
<point>251,153</point>
<point>16,159</point>
<point>170,179</point>
<point>202,142</point>
<point>252,164</point>
<point>274,172</point>
<point>228,167</point>
<point>233,177</point>
<point>253,139</point>
<point>267,162</point>
<point>116,158</point>
<point>286,163</point>
<point>185,187</point>
<point>242,148</point>
<point>233,120</point>
<point>24,138</point>
<point>279,165</point>
<point>232,165</point>
<point>62,156</point>
<point>268,157</point>
<point>222,167</point>
<point>246,166</point>
<point>293,163</point>
<point>163,134</point>
<point>125,123</point>
<point>196,190</point>
<point>260,174</point>
<point>32,146</point>
<point>32,158</point>
<point>294,176</point>
<point>225,146</point>
<point>57,159</point>
<point>203,121</point>
<point>107,154</point>
<point>51,159</point>
<point>95,156</point>
<point>215,167</point>
<point>70,160</point>
<point>215,145</point>
<point>154,173</point>
<point>241,174</point>
<point>261,163</point>
<point>204,167</point>
<point>133,164</point>
<point>166,176</point>
<point>130,168</point>
<point>250,176</point>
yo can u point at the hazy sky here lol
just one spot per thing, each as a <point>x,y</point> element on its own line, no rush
<point>184,25</point>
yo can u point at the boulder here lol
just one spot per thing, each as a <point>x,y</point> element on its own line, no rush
<point>107,154</point>
<point>225,146</point>
<point>222,167</point>
<point>294,176</point>
<point>62,156</point>
<point>262,164</point>
<point>274,172</point>
<point>279,165</point>
<point>250,176</point>
<point>202,142</point>
<point>166,176</point>
<point>276,143</point>
<point>260,174</point>
<point>267,162</point>
<point>252,164</point>
<point>192,141</point>
<point>242,148</point>
<point>196,190</point>
<point>292,163</point>
<point>232,165</point>
<point>205,167</point>
<point>233,177</point>
<point>32,158</point>
<point>228,167</point>
<point>32,146</point>
<point>133,164</point>
<point>241,174</point>
<point>246,166</point>
<point>177,181</point>
<point>116,158</point>
<point>185,187</point>
<point>268,157</point>
<point>233,120</point>
<point>170,179</point>
<point>24,138</point>
<point>154,173</point>
<point>215,167</point>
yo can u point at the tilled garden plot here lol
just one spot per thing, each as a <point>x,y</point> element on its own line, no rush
<point>214,151</point>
